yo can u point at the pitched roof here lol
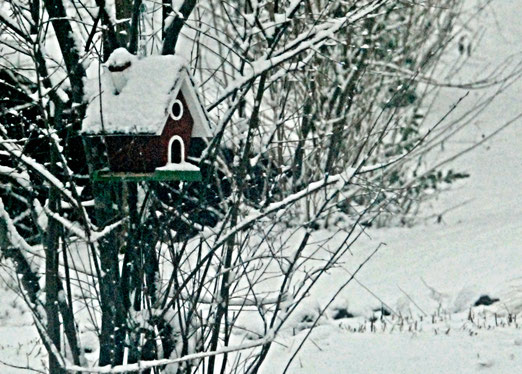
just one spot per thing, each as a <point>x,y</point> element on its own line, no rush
<point>133,95</point>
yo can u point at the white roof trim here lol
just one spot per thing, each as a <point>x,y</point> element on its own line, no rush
<point>185,83</point>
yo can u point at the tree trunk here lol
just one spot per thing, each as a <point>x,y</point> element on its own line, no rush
<point>52,279</point>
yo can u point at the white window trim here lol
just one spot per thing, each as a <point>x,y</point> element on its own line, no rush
<point>176,118</point>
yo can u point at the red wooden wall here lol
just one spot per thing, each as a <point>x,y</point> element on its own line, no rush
<point>145,153</point>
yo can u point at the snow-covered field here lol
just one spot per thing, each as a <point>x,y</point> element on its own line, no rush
<point>428,276</point>
<point>19,342</point>
<point>437,271</point>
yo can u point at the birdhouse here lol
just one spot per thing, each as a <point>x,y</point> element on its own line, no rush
<point>148,111</point>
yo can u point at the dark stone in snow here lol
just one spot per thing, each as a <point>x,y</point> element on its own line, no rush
<point>485,300</point>
<point>383,310</point>
<point>342,313</point>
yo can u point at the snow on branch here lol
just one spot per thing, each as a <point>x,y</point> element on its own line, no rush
<point>18,153</point>
<point>72,227</point>
<point>21,178</point>
<point>341,178</point>
<point>97,235</point>
<point>12,234</point>
<point>142,365</point>
<point>307,40</point>
<point>75,228</point>
<point>11,24</point>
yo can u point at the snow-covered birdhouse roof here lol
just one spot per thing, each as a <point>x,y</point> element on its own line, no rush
<point>133,95</point>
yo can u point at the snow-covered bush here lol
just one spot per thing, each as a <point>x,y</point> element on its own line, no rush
<point>318,110</point>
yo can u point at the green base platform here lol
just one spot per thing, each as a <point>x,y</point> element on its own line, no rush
<point>157,176</point>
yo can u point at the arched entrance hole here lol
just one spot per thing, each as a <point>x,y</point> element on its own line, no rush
<point>176,150</point>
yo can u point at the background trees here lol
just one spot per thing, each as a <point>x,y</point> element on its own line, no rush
<point>318,109</point>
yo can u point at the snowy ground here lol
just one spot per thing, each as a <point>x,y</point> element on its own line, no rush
<point>19,343</point>
<point>447,347</point>
<point>446,266</point>
<point>430,274</point>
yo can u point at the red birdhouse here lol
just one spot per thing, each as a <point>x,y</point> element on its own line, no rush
<point>148,110</point>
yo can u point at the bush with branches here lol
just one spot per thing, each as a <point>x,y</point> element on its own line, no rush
<point>319,112</point>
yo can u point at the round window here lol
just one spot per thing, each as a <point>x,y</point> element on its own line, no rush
<point>176,110</point>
